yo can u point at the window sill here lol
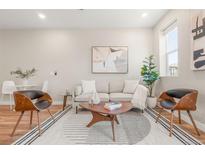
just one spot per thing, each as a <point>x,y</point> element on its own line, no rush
<point>169,76</point>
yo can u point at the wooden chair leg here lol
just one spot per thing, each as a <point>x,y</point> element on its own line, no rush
<point>192,120</point>
<point>39,127</point>
<point>179,113</point>
<point>159,114</point>
<point>31,118</point>
<point>50,114</point>
<point>17,123</point>
<point>171,123</point>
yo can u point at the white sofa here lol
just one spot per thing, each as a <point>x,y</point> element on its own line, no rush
<point>107,91</point>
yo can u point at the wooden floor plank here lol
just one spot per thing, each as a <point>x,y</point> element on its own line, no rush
<point>8,120</point>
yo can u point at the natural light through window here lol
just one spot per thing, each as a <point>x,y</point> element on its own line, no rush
<point>169,51</point>
<point>172,52</point>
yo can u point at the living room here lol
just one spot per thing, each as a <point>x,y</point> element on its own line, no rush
<point>102,76</point>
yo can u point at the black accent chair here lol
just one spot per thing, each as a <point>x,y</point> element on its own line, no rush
<point>187,102</point>
<point>31,100</point>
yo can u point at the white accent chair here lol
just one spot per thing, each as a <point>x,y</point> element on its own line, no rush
<point>8,88</point>
<point>45,86</point>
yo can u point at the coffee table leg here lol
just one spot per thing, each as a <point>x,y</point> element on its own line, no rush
<point>113,127</point>
<point>98,117</point>
<point>116,120</point>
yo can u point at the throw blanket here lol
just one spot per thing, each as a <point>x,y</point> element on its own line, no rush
<point>139,97</point>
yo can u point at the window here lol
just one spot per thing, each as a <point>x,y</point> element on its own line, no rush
<point>172,52</point>
<point>169,51</point>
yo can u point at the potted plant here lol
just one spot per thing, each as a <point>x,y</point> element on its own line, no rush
<point>150,75</point>
<point>25,75</point>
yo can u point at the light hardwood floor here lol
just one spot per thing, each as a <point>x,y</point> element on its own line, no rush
<point>185,126</point>
<point>8,120</point>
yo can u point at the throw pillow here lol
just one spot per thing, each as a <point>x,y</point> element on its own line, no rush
<point>88,86</point>
<point>130,86</point>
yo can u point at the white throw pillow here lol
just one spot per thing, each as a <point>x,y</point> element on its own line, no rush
<point>88,86</point>
<point>130,86</point>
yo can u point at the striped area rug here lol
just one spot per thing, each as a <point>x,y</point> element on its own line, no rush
<point>72,130</point>
<point>134,128</point>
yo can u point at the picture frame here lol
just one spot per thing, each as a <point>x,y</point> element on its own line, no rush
<point>109,59</point>
<point>197,40</point>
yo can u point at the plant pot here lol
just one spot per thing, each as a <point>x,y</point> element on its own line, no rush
<point>151,102</point>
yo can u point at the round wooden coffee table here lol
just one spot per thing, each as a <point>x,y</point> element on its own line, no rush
<point>101,114</point>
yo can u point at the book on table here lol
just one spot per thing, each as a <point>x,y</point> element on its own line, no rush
<point>112,105</point>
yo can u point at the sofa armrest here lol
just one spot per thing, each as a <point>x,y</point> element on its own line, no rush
<point>78,90</point>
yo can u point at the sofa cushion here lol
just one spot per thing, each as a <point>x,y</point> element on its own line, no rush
<point>102,86</point>
<point>85,97</point>
<point>103,97</point>
<point>116,86</point>
<point>120,97</point>
<point>130,86</point>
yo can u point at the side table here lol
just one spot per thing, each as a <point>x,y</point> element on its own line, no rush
<point>65,97</point>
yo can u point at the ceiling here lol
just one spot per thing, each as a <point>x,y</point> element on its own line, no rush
<point>115,18</point>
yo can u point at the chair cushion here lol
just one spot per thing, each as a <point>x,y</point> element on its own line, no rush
<point>42,104</point>
<point>86,97</point>
<point>167,104</point>
<point>178,93</point>
<point>120,97</point>
<point>32,94</point>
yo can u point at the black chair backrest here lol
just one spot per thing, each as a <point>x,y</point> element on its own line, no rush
<point>32,94</point>
<point>178,93</point>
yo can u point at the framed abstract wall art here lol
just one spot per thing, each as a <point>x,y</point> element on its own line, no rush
<point>198,40</point>
<point>110,59</point>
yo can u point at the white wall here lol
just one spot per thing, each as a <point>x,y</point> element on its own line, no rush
<point>1,66</point>
<point>186,78</point>
<point>69,52</point>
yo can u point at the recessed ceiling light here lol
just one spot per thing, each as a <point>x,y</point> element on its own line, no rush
<point>144,15</point>
<point>41,15</point>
